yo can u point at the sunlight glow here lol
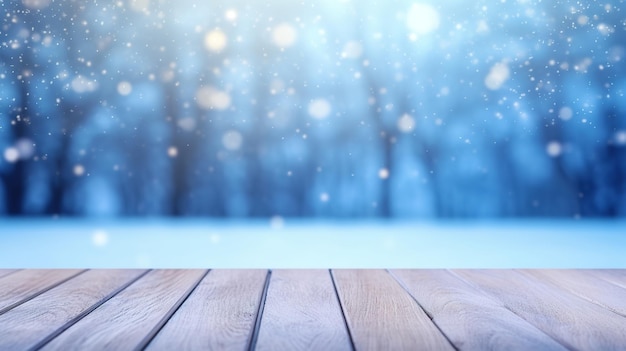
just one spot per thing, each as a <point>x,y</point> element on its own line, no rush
<point>422,18</point>
<point>215,40</point>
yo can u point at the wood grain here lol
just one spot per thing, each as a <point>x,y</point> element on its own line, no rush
<point>21,286</point>
<point>4,272</point>
<point>586,286</point>
<point>302,312</point>
<point>29,323</point>
<point>469,318</point>
<point>381,314</point>
<point>219,315</point>
<point>572,321</point>
<point>186,309</point>
<point>614,276</point>
<point>124,321</point>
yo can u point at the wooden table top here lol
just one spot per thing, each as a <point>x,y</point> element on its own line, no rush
<point>195,309</point>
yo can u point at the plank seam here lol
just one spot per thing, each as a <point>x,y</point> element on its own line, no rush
<point>609,280</point>
<point>502,303</point>
<point>48,288</point>
<point>573,292</point>
<point>157,328</point>
<point>563,343</point>
<point>406,290</point>
<point>343,314</point>
<point>259,315</point>
<point>84,313</point>
<point>8,274</point>
<point>594,302</point>
<point>617,284</point>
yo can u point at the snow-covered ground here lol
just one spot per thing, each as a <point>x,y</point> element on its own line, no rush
<point>306,244</point>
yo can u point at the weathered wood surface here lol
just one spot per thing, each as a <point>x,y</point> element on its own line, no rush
<point>586,285</point>
<point>381,315</point>
<point>52,311</point>
<point>24,285</point>
<point>471,319</point>
<point>313,309</point>
<point>302,313</point>
<point>574,322</point>
<point>4,272</point>
<point>219,315</point>
<point>615,276</point>
<point>126,320</point>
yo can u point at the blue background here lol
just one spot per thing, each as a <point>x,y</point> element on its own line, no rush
<point>350,109</point>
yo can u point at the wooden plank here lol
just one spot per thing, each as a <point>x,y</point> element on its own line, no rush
<point>219,315</point>
<point>124,321</point>
<point>586,286</point>
<point>572,321</point>
<point>302,312</point>
<point>22,286</point>
<point>31,322</point>
<point>381,315</point>
<point>4,272</point>
<point>468,317</point>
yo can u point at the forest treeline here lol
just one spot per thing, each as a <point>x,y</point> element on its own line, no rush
<point>313,109</point>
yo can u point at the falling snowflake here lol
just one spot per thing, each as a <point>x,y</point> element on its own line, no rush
<point>100,238</point>
<point>554,148</point>
<point>232,140</point>
<point>215,40</point>
<point>498,75</point>
<point>210,98</point>
<point>79,170</point>
<point>11,154</point>
<point>383,173</point>
<point>319,108</point>
<point>284,35</point>
<point>124,88</point>
<point>406,123</point>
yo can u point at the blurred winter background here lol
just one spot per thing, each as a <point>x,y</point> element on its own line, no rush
<point>327,108</point>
